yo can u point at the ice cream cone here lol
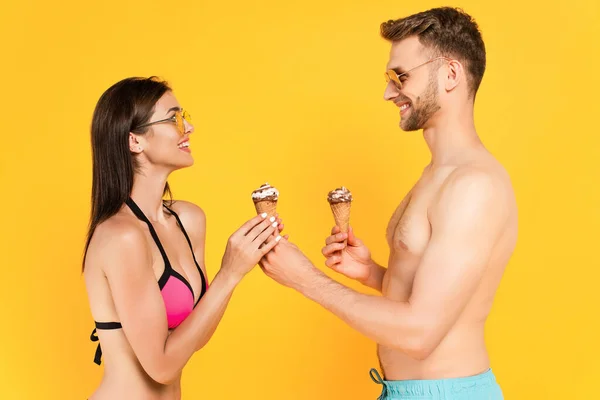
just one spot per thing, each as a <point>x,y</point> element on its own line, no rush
<point>265,199</point>
<point>269,207</point>
<point>341,215</point>
<point>340,201</point>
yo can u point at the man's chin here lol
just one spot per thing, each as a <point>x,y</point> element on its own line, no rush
<point>407,128</point>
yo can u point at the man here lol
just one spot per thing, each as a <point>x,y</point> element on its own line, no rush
<point>450,238</point>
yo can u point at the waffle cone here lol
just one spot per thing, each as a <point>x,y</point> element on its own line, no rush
<point>341,214</point>
<point>266,206</point>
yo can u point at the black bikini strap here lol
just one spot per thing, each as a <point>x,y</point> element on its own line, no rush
<point>138,213</point>
<point>108,325</point>
<point>94,337</point>
<point>192,250</point>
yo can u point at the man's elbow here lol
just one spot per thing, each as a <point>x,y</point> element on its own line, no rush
<point>420,343</point>
<point>420,348</point>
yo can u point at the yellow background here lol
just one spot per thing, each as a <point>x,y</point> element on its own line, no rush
<point>291,93</point>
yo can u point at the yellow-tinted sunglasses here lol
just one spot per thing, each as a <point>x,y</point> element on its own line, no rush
<point>391,75</point>
<point>178,119</point>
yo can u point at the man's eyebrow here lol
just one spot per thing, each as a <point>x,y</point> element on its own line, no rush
<point>399,70</point>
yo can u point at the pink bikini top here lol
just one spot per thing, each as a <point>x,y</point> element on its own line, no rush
<point>177,293</point>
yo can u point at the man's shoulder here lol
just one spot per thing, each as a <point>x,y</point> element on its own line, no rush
<point>471,174</point>
<point>484,174</point>
<point>475,187</point>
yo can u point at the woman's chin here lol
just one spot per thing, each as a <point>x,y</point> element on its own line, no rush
<point>181,164</point>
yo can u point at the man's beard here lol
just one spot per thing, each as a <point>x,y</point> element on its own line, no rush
<point>423,108</point>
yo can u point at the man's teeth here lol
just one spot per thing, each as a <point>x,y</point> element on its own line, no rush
<point>184,144</point>
<point>404,107</point>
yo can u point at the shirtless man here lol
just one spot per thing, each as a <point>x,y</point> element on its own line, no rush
<point>450,238</point>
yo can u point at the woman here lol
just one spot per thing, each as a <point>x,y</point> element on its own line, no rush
<point>144,257</point>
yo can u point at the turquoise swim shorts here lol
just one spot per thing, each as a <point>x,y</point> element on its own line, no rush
<point>478,387</point>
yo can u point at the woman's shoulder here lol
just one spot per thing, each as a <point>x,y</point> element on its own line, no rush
<point>119,230</point>
<point>115,240</point>
<point>193,219</point>
<point>188,211</point>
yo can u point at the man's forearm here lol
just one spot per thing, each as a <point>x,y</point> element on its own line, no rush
<point>375,278</point>
<point>385,321</point>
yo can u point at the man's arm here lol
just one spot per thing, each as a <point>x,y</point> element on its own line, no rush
<point>352,258</point>
<point>375,278</point>
<point>466,221</point>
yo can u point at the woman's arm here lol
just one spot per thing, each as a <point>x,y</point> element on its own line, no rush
<point>127,260</point>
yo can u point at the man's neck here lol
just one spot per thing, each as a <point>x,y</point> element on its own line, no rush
<point>451,135</point>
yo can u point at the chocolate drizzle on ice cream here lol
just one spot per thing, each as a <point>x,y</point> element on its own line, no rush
<point>265,199</point>
<point>340,201</point>
<point>265,193</point>
<point>339,195</point>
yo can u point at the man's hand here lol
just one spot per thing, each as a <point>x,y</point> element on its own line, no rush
<point>347,254</point>
<point>288,265</point>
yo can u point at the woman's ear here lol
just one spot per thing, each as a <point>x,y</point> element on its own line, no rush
<point>135,145</point>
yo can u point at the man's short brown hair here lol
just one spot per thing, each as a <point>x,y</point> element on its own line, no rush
<point>447,32</point>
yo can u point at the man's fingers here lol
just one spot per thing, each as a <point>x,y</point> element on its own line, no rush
<point>332,248</point>
<point>337,238</point>
<point>353,240</point>
<point>332,261</point>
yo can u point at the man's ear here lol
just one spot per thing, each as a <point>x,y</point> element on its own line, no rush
<point>455,75</point>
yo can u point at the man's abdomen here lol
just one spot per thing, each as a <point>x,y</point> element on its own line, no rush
<point>461,353</point>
